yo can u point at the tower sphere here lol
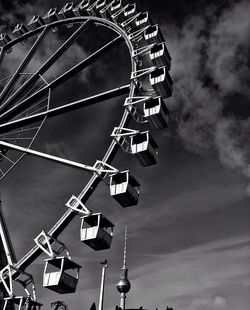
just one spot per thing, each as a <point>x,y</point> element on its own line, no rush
<point>123,286</point>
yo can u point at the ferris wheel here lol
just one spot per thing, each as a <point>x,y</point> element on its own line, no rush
<point>26,102</point>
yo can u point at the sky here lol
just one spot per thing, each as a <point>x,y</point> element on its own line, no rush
<point>189,236</point>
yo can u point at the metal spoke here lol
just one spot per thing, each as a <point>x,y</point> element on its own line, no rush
<point>23,65</point>
<point>30,91</point>
<point>58,81</point>
<point>35,105</point>
<point>21,130</point>
<point>43,68</point>
<point>65,108</point>
<point>37,110</point>
<point>2,53</point>
<point>60,160</point>
<point>27,138</point>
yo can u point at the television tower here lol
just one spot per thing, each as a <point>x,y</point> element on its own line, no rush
<point>123,286</point>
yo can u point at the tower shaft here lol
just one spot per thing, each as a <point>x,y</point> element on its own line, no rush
<point>122,301</point>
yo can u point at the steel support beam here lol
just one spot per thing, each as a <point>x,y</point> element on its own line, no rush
<point>5,117</point>
<point>57,159</point>
<point>62,49</point>
<point>65,108</point>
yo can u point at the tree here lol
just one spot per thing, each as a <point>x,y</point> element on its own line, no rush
<point>93,306</point>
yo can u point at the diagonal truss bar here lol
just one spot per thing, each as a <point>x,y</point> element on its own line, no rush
<point>24,64</point>
<point>5,117</point>
<point>57,159</point>
<point>6,240</point>
<point>62,49</point>
<point>65,108</point>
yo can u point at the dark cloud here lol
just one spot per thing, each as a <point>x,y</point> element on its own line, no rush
<point>211,74</point>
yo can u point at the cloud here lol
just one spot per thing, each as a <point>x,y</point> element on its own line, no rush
<point>23,13</point>
<point>230,140</point>
<point>20,11</point>
<point>191,279</point>
<point>211,83</point>
<point>228,49</point>
<point>57,149</point>
<point>215,302</point>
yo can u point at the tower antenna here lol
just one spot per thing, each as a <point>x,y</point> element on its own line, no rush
<point>125,248</point>
<point>123,286</point>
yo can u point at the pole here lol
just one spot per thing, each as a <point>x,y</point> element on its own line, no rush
<point>100,306</point>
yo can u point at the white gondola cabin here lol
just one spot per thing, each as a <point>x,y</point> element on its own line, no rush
<point>130,11</point>
<point>161,82</point>
<point>20,303</point>
<point>117,11</point>
<point>144,147</point>
<point>101,4</point>
<point>81,8</point>
<point>116,5</point>
<point>35,22</point>
<point>19,30</point>
<point>156,112</point>
<point>91,10</point>
<point>105,12</point>
<point>96,231</point>
<point>136,22</point>
<point>61,275</point>
<point>124,188</point>
<point>51,16</point>
<point>67,11</point>
<point>94,8</point>
<point>160,56</point>
<point>143,20</point>
<point>153,35</point>
<point>5,39</point>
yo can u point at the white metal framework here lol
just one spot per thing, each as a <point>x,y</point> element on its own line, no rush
<point>26,102</point>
